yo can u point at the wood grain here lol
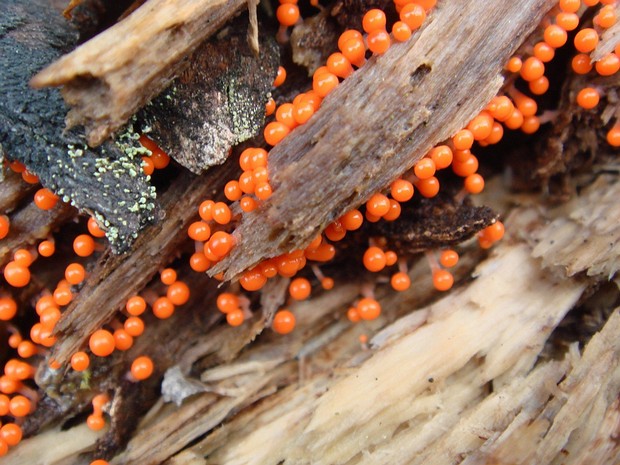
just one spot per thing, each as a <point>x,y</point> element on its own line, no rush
<point>380,121</point>
<point>107,80</point>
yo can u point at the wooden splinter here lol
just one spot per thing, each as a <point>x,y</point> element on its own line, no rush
<point>110,77</point>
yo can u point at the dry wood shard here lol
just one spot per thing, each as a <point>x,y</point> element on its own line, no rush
<point>407,402</point>
<point>609,40</point>
<point>587,240</point>
<point>366,134</point>
<point>106,80</point>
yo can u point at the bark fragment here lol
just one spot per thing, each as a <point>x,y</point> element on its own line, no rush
<point>218,101</point>
<point>105,181</point>
<point>434,223</point>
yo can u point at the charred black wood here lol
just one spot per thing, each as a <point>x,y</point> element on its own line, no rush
<point>107,182</point>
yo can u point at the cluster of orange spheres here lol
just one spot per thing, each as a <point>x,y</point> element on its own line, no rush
<point>516,110</point>
<point>103,343</point>
<point>252,187</point>
<point>367,308</point>
<point>585,41</point>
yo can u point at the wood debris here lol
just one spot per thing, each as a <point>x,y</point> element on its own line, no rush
<point>409,98</point>
<point>435,399</point>
<point>519,363</point>
<point>109,287</point>
<point>217,102</point>
<point>440,222</point>
<point>609,40</point>
<point>588,240</point>
<point>312,40</point>
<point>107,181</point>
<point>105,81</point>
<point>31,224</point>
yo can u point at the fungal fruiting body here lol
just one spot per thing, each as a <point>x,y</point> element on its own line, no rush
<point>212,231</point>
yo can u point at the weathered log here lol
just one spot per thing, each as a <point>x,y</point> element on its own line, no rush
<point>367,134</point>
<point>106,80</point>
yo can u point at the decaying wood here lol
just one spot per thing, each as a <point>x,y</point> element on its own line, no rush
<point>463,379</point>
<point>66,393</point>
<point>12,191</point>
<point>92,16</point>
<point>31,224</point>
<point>106,182</point>
<point>253,29</point>
<point>234,387</point>
<point>573,140</point>
<point>349,13</point>
<point>217,102</point>
<point>312,41</point>
<point>609,40</point>
<point>587,240</point>
<point>440,222</point>
<point>61,447</point>
<point>105,81</point>
<point>118,277</point>
<point>420,395</point>
<point>402,386</point>
<point>365,135</point>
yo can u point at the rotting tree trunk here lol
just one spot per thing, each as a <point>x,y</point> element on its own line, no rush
<point>380,121</point>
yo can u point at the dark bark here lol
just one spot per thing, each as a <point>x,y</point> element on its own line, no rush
<point>105,181</point>
<point>217,102</point>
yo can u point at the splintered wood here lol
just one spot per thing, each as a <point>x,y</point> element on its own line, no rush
<point>107,80</point>
<point>588,238</point>
<point>480,334</point>
<point>423,397</point>
<point>421,394</point>
<point>379,122</point>
<point>61,447</point>
<point>462,377</point>
<point>109,285</point>
<point>609,40</point>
